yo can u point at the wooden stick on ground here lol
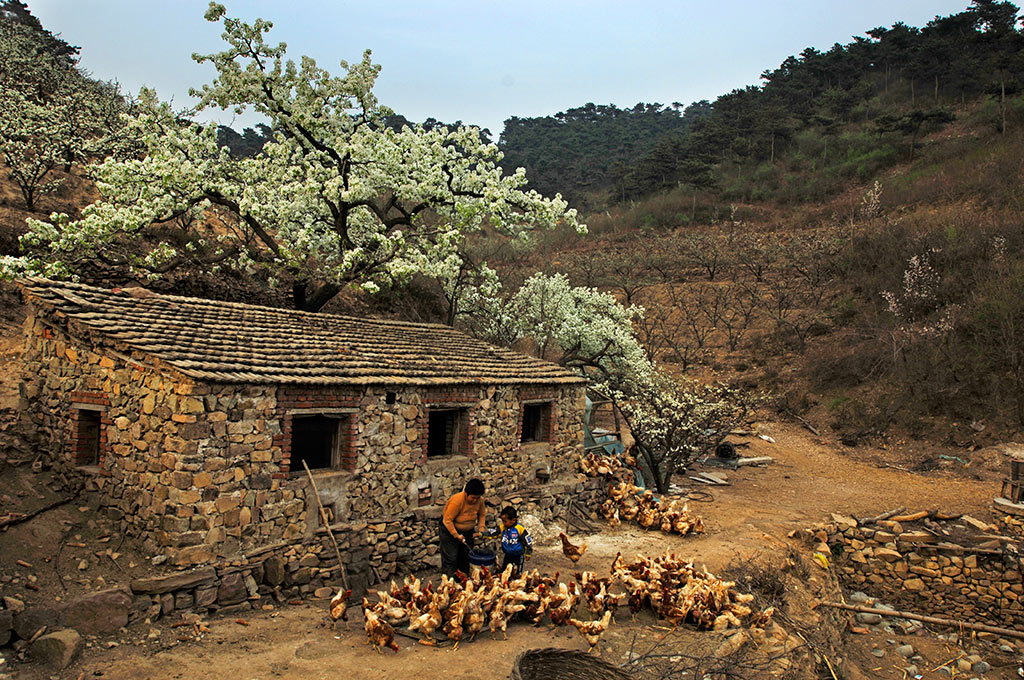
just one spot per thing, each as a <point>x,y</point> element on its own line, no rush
<point>18,518</point>
<point>327,524</point>
<point>912,517</point>
<point>813,430</point>
<point>1006,632</point>
<point>884,515</point>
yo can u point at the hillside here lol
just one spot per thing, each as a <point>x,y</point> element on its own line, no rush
<point>825,272</point>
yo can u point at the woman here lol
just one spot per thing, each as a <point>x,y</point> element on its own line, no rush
<point>461,523</point>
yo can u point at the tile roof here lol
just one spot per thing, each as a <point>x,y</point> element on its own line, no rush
<point>238,343</point>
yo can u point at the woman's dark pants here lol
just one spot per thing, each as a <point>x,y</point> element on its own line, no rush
<point>455,554</point>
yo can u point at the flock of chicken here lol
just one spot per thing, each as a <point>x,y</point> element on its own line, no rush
<point>462,606</point>
<point>629,502</point>
<point>465,606</point>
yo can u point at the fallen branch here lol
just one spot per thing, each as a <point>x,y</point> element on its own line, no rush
<point>884,515</point>
<point>803,422</point>
<point>913,517</point>
<point>18,518</point>
<point>1006,632</point>
<point>327,523</point>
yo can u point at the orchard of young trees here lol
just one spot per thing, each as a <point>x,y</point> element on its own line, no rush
<point>52,115</point>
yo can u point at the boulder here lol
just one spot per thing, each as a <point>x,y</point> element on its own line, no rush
<point>232,590</point>
<point>101,612</point>
<point>179,581</point>
<point>273,570</point>
<point>58,649</point>
<point>6,626</point>
<point>27,622</point>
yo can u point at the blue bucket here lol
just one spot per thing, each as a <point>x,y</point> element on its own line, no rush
<point>482,558</point>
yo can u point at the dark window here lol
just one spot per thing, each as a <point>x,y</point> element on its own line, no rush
<point>535,422</point>
<point>390,397</point>
<point>317,440</point>
<point>87,440</point>
<point>444,431</point>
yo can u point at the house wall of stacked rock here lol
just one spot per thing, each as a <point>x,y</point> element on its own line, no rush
<point>915,571</point>
<point>204,471</point>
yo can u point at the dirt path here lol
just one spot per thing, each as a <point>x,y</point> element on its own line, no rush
<point>753,515</point>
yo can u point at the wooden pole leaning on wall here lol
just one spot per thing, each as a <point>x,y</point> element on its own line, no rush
<point>1006,632</point>
<point>327,525</point>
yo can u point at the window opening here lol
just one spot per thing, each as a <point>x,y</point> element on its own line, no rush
<point>390,397</point>
<point>534,420</point>
<point>317,441</point>
<point>88,439</point>
<point>443,432</point>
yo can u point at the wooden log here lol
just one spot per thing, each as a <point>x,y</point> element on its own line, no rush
<point>760,460</point>
<point>912,517</point>
<point>1006,632</point>
<point>884,515</point>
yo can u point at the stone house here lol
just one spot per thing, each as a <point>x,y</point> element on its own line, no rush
<point>195,418</point>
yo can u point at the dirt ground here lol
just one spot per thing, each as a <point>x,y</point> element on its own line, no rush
<point>747,520</point>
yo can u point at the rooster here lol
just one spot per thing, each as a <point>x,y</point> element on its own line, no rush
<point>339,606</point>
<point>573,552</point>
<point>593,630</point>
<point>378,633</point>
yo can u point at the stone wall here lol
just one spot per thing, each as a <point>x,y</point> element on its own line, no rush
<point>915,570</point>
<point>204,472</point>
<point>372,552</point>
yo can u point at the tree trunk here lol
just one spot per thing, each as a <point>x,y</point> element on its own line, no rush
<point>313,301</point>
<point>29,194</point>
<point>1002,104</point>
<point>936,89</point>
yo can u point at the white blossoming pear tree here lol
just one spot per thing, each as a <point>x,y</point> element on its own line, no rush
<point>672,420</point>
<point>51,114</point>
<point>335,199</point>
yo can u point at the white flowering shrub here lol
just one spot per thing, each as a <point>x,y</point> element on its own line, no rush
<point>917,306</point>
<point>334,199</point>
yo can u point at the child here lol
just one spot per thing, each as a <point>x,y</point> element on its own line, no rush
<point>516,544</point>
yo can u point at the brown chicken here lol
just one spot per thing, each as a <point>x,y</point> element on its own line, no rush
<point>378,633</point>
<point>428,622</point>
<point>592,630</point>
<point>562,604</point>
<point>573,552</point>
<point>339,606</point>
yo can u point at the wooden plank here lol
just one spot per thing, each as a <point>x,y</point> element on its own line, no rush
<point>976,523</point>
<point>760,460</point>
<point>717,478</point>
<point>702,480</point>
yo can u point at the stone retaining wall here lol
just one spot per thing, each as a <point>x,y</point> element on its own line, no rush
<point>916,571</point>
<point>373,552</point>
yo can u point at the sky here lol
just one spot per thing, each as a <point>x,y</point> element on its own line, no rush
<point>482,62</point>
